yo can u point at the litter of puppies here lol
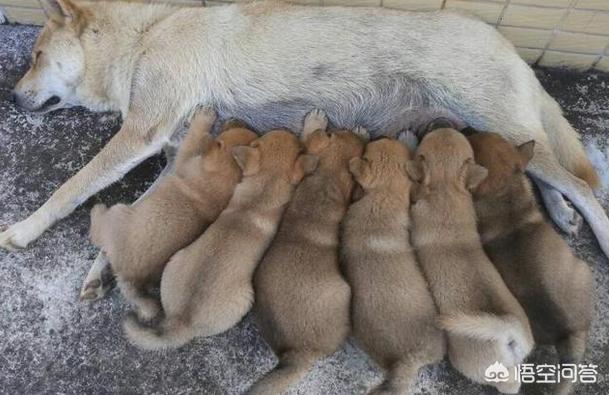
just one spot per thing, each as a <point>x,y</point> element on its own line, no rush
<point>419,254</point>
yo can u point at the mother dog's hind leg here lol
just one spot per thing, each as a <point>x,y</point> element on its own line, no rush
<point>562,212</point>
<point>545,167</point>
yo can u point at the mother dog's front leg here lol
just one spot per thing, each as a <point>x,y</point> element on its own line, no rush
<point>126,149</point>
<point>99,279</point>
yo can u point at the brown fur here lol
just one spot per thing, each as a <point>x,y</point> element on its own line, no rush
<point>302,301</point>
<point>140,239</point>
<point>483,321</point>
<point>393,313</point>
<point>206,287</point>
<point>553,286</point>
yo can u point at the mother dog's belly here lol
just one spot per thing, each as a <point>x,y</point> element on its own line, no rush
<point>382,112</point>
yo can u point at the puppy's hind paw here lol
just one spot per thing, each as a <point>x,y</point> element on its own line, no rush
<point>96,289</point>
<point>315,120</point>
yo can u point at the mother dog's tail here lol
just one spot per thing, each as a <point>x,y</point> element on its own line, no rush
<point>170,333</point>
<point>513,336</point>
<point>565,142</point>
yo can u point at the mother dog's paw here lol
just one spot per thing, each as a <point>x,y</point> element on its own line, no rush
<point>569,220</point>
<point>19,235</point>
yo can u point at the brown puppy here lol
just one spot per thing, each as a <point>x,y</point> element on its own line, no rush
<point>483,320</point>
<point>393,313</point>
<point>207,287</point>
<point>139,239</point>
<point>553,286</point>
<point>302,301</point>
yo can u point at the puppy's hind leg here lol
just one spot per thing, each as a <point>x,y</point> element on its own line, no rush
<point>146,306</point>
<point>171,333</point>
<point>399,378</point>
<point>292,367</point>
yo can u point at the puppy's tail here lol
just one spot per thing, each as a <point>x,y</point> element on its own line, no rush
<point>292,367</point>
<point>171,333</point>
<point>508,331</point>
<point>566,144</point>
<point>571,350</point>
<point>399,378</point>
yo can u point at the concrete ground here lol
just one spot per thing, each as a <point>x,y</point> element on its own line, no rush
<point>50,342</point>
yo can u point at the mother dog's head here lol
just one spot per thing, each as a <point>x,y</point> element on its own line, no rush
<point>58,61</point>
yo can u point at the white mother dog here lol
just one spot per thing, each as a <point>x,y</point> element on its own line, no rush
<point>270,64</point>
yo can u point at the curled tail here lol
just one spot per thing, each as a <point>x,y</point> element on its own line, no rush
<point>507,330</point>
<point>171,333</point>
<point>292,367</point>
<point>566,144</point>
<point>399,378</point>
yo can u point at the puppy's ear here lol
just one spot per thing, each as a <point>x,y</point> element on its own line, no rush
<point>474,174</point>
<point>208,143</point>
<point>317,141</point>
<point>526,152</point>
<point>360,168</point>
<point>248,159</point>
<point>357,194</point>
<point>305,164</point>
<point>416,170</point>
<point>64,12</point>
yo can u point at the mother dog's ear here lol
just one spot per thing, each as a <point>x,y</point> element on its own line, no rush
<point>64,12</point>
<point>248,159</point>
<point>305,164</point>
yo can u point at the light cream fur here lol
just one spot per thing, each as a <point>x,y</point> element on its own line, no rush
<point>483,321</point>
<point>392,311</point>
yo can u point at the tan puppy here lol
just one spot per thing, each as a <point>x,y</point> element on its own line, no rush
<point>483,320</point>
<point>207,287</point>
<point>140,239</point>
<point>393,313</point>
<point>553,286</point>
<point>302,301</point>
